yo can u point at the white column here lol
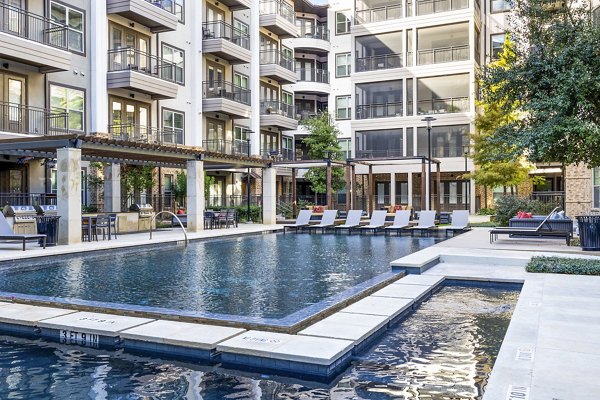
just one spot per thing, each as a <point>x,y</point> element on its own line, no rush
<point>472,196</point>
<point>98,109</point>
<point>112,188</point>
<point>410,189</point>
<point>68,197</point>
<point>427,185</point>
<point>195,196</point>
<point>195,133</point>
<point>255,78</point>
<point>392,188</point>
<point>269,201</point>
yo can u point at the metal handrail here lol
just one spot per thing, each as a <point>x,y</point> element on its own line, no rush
<point>167,5</point>
<point>187,241</point>
<point>312,75</point>
<point>21,118</point>
<point>450,104</point>
<point>226,90</point>
<point>443,54</point>
<point>379,110</point>
<point>378,14</point>
<point>223,30</point>
<point>268,107</point>
<point>145,134</point>
<point>385,61</point>
<point>278,7</point>
<point>130,59</point>
<point>22,23</point>
<point>276,57</point>
<point>320,32</point>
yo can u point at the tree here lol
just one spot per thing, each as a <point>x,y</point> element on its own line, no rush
<point>554,80</point>
<point>135,178</point>
<point>322,143</point>
<point>180,187</point>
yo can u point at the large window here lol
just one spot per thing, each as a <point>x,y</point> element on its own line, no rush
<point>343,110</point>
<point>378,99</point>
<point>379,143</point>
<point>70,102</point>
<point>381,51</point>
<point>446,141</point>
<point>497,44</point>
<point>596,187</point>
<point>240,80</point>
<point>346,145</point>
<point>74,20</point>
<point>501,5</point>
<point>342,64</point>
<point>443,94</point>
<point>173,126</point>
<point>342,23</point>
<point>180,10</point>
<point>177,58</point>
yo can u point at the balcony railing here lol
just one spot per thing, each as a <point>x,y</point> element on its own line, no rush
<point>226,90</point>
<point>269,107</point>
<point>379,110</point>
<point>276,57</point>
<point>366,154</point>
<point>312,75</point>
<point>234,147</point>
<point>443,106</point>
<point>167,5</point>
<point>145,134</point>
<point>320,33</point>
<point>304,115</point>
<point>386,61</point>
<point>278,7</point>
<point>456,149</point>
<point>425,7</point>
<point>443,55</point>
<point>129,59</point>
<point>21,23</point>
<point>379,14</point>
<point>222,30</point>
<point>18,118</point>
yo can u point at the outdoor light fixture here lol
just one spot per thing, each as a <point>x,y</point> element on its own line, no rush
<point>429,120</point>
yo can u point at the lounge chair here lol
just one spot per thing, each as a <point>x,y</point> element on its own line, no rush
<point>538,232</point>
<point>352,221</point>
<point>460,222</point>
<point>426,223</point>
<point>7,234</point>
<point>376,223</point>
<point>401,222</point>
<point>327,221</point>
<point>302,221</point>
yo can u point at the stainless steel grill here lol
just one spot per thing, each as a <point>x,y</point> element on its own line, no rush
<point>145,214</point>
<point>23,218</point>
<point>47,210</point>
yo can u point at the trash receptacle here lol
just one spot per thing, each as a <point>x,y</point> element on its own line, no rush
<point>589,232</point>
<point>48,225</point>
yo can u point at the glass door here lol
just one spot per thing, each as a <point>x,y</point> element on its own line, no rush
<point>12,98</point>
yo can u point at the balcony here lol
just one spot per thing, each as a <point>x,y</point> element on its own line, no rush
<point>158,15</point>
<point>443,106</point>
<point>380,110</point>
<point>375,63</point>
<point>232,147</point>
<point>227,42</point>
<point>27,120</point>
<point>312,40</point>
<point>134,70</point>
<point>145,134</point>
<point>378,14</point>
<point>443,55</point>
<point>277,114</point>
<point>314,81</point>
<point>426,7</point>
<point>226,98</point>
<point>275,65</point>
<point>33,40</point>
<point>370,154</point>
<point>278,16</point>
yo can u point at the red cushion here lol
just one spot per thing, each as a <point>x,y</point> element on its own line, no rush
<point>520,214</point>
<point>527,215</point>
<point>318,209</point>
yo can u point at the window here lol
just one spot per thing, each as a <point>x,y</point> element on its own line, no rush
<point>240,80</point>
<point>379,143</point>
<point>240,133</point>
<point>70,102</point>
<point>346,144</point>
<point>168,183</point>
<point>497,44</point>
<point>177,58</point>
<point>173,126</point>
<point>287,98</point>
<point>501,5</point>
<point>343,110</point>
<point>342,23</point>
<point>74,20</point>
<point>596,185</point>
<point>446,141</point>
<point>180,10</point>
<point>342,65</point>
<point>287,148</point>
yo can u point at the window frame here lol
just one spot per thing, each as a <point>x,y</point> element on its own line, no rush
<point>182,4</point>
<point>70,87</point>
<point>162,123</point>
<point>162,56</point>
<point>492,44</point>
<point>347,23</point>
<point>503,10</point>
<point>348,108</point>
<point>289,95</point>
<point>348,56</point>
<point>67,8</point>
<point>242,78</point>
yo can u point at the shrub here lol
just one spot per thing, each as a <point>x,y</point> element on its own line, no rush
<point>242,211</point>
<point>508,206</point>
<point>486,211</point>
<point>563,265</point>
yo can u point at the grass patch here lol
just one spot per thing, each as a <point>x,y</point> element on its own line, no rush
<point>563,265</point>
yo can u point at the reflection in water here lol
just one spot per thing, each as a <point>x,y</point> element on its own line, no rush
<point>444,351</point>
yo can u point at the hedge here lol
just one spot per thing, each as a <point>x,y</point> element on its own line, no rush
<point>563,265</point>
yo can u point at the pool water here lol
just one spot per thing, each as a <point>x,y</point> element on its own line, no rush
<point>445,350</point>
<point>266,276</point>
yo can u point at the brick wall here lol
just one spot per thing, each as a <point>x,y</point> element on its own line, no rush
<point>578,190</point>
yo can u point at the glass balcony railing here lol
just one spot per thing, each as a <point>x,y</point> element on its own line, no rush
<point>443,55</point>
<point>378,14</point>
<point>321,33</point>
<point>379,110</point>
<point>278,7</point>
<point>386,61</point>
<point>225,90</point>
<point>270,107</point>
<point>222,30</point>
<point>425,7</point>
<point>312,75</point>
<point>443,106</point>
<point>276,57</point>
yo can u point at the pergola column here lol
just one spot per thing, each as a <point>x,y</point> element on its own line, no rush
<point>348,187</point>
<point>353,191</point>
<point>294,194</point>
<point>424,187</point>
<point>371,190</point>
<point>195,195</point>
<point>68,197</point>
<point>410,189</point>
<point>328,194</point>
<point>392,188</point>
<point>269,201</point>
<point>112,188</point>
<point>438,181</point>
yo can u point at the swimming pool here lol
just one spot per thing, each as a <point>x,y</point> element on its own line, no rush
<point>269,278</point>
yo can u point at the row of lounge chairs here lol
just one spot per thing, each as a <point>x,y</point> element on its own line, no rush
<point>401,223</point>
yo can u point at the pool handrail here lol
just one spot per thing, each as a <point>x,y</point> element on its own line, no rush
<point>187,241</point>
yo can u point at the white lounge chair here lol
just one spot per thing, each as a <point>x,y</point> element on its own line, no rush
<point>302,221</point>
<point>376,223</point>
<point>401,222</point>
<point>327,221</point>
<point>460,222</point>
<point>7,234</point>
<point>352,221</point>
<point>426,223</point>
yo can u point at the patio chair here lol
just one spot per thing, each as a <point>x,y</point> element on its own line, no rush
<point>426,223</point>
<point>401,222</point>
<point>102,224</point>
<point>539,232</point>
<point>113,224</point>
<point>376,223</point>
<point>460,222</point>
<point>302,221</point>
<point>327,221</point>
<point>352,221</point>
<point>7,234</point>
<point>226,217</point>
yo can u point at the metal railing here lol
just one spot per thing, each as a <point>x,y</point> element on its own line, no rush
<point>386,61</point>
<point>235,147</point>
<point>320,32</point>
<point>379,110</point>
<point>378,14</point>
<point>448,203</point>
<point>167,5</point>
<point>441,151</point>
<point>443,55</point>
<point>222,30</point>
<point>27,199</point>
<point>550,199</point>
<point>443,106</point>
<point>129,59</point>
<point>19,118</point>
<point>225,90</point>
<point>312,75</point>
<point>366,154</point>
<point>276,57</point>
<point>269,107</point>
<point>278,7</point>
<point>18,22</point>
<point>145,134</point>
<point>232,201</point>
<point>304,115</point>
<point>425,7</point>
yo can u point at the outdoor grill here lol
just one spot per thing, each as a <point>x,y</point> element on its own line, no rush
<point>23,218</point>
<point>48,210</point>
<point>145,214</point>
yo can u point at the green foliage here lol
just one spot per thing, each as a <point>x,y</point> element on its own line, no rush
<point>318,179</point>
<point>208,182</point>
<point>88,209</point>
<point>242,212</point>
<point>135,178</point>
<point>180,186</point>
<point>486,211</point>
<point>94,181</point>
<point>507,207</point>
<point>563,265</point>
